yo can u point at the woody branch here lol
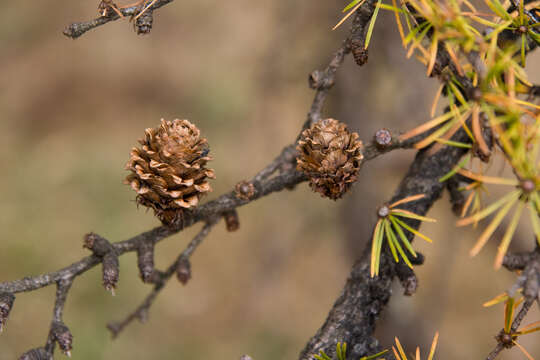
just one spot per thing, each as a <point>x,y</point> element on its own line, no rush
<point>265,182</point>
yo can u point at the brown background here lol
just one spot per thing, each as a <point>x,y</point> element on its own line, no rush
<point>71,110</point>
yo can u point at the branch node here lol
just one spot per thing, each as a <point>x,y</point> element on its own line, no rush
<point>97,244</point>
<point>383,138</point>
<point>6,304</point>
<point>419,259</point>
<point>457,198</point>
<point>107,8</point>
<point>102,248</point>
<point>505,339</point>
<point>244,190</point>
<point>359,52</point>
<point>407,278</point>
<point>143,23</point>
<point>111,270</point>
<point>183,270</point>
<point>319,80</point>
<point>516,261</point>
<point>232,222</point>
<point>61,334</point>
<point>145,260</point>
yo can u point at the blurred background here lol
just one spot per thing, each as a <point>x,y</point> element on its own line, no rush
<point>70,110</point>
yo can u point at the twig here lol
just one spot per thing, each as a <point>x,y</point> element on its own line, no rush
<point>493,354</point>
<point>407,276</point>
<point>323,81</point>
<point>529,280</point>
<point>58,331</point>
<point>75,30</point>
<point>522,313</point>
<point>515,324</point>
<point>141,312</point>
<point>62,288</point>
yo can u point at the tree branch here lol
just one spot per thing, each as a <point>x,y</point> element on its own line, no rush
<point>77,29</point>
<point>58,332</point>
<point>141,312</point>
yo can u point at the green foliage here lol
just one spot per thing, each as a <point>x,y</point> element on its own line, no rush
<point>509,337</point>
<point>392,228</point>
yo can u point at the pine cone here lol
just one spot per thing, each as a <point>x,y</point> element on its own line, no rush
<point>330,156</point>
<point>168,172</point>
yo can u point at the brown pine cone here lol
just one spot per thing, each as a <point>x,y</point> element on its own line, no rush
<point>330,156</point>
<point>168,172</point>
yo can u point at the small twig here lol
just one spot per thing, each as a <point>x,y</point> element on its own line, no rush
<point>143,22</point>
<point>407,278</point>
<point>323,81</point>
<point>223,203</point>
<point>457,198</point>
<point>62,289</point>
<point>145,260</point>
<point>141,312</point>
<point>6,304</point>
<point>521,315</point>
<point>75,30</point>
<point>493,354</point>
<point>232,220</point>
<point>529,280</point>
